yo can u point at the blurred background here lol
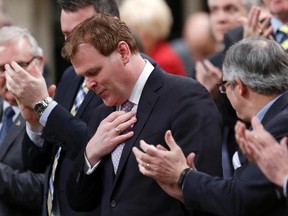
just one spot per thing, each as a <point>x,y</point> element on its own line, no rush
<point>41,17</point>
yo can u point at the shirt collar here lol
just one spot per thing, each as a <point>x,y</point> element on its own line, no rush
<point>260,115</point>
<point>139,86</point>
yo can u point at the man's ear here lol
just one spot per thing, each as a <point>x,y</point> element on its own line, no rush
<point>40,62</point>
<point>241,87</point>
<point>124,51</point>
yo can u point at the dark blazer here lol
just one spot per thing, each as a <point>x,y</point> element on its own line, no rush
<point>167,102</point>
<point>40,160</point>
<point>248,192</point>
<point>21,191</point>
<point>286,198</point>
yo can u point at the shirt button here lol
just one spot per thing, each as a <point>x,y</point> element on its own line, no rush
<point>113,203</point>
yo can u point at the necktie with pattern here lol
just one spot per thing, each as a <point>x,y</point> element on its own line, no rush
<point>82,92</point>
<point>282,36</point>
<point>116,154</point>
<point>7,122</point>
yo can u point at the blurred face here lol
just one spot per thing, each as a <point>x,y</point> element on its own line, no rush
<point>224,15</point>
<point>277,7</point>
<point>106,76</point>
<point>19,52</point>
<point>69,20</point>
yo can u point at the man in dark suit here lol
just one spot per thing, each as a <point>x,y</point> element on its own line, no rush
<point>160,101</point>
<point>21,191</point>
<point>261,148</point>
<point>255,87</point>
<point>39,152</point>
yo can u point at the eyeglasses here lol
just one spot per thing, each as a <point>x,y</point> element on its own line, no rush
<point>20,63</point>
<point>222,86</point>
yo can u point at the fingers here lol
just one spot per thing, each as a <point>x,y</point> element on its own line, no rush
<point>143,160</point>
<point>119,117</point>
<point>256,123</point>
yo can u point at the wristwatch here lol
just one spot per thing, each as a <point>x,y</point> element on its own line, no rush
<point>40,106</point>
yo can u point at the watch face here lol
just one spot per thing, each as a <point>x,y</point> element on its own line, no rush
<point>39,108</point>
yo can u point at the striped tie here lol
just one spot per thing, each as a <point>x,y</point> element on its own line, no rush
<point>82,92</point>
<point>7,122</point>
<point>116,154</point>
<point>282,36</point>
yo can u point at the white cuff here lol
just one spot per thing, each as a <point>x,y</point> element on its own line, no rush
<point>46,113</point>
<point>35,137</point>
<point>88,169</point>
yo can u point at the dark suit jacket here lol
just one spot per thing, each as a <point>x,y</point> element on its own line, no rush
<point>21,191</point>
<point>286,197</point>
<point>249,192</point>
<point>167,102</point>
<point>41,159</point>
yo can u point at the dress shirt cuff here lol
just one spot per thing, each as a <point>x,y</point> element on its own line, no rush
<point>46,113</point>
<point>285,185</point>
<point>88,169</point>
<point>35,137</point>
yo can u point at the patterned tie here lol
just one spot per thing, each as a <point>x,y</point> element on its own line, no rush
<point>116,154</point>
<point>82,92</point>
<point>7,122</point>
<point>282,36</point>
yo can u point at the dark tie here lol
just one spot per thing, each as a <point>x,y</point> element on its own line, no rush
<point>116,154</point>
<point>7,122</point>
<point>82,92</point>
<point>282,36</point>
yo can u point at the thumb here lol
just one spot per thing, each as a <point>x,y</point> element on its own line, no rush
<point>283,142</point>
<point>190,160</point>
<point>52,90</point>
<point>170,140</point>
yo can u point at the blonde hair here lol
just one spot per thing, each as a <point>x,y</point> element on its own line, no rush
<point>153,17</point>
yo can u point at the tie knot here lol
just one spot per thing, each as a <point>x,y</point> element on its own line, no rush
<point>9,112</point>
<point>127,106</point>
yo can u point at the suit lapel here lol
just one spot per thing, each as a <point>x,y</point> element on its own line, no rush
<point>146,104</point>
<point>68,102</point>
<point>85,102</point>
<point>17,127</point>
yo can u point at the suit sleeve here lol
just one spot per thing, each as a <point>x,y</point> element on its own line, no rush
<point>23,189</point>
<point>197,126</point>
<point>35,159</point>
<point>248,192</point>
<point>64,129</point>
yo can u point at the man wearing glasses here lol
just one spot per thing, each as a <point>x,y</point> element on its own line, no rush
<point>20,190</point>
<point>256,82</point>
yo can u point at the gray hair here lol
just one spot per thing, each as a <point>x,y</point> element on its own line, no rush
<point>247,3</point>
<point>15,33</point>
<point>260,63</point>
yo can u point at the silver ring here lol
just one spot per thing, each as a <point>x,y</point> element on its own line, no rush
<point>118,130</point>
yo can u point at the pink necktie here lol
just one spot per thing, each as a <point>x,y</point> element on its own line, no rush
<point>116,154</point>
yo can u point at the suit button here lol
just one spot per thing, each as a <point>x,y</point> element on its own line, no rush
<point>113,203</point>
